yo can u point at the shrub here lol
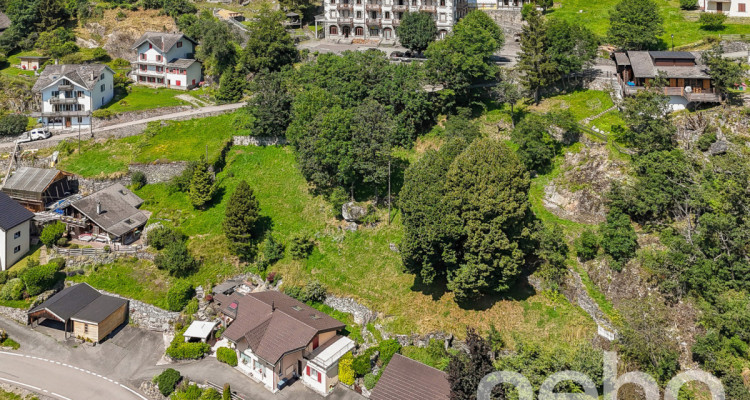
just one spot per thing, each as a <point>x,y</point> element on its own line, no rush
<point>191,307</point>
<point>39,278</point>
<point>370,381</point>
<point>387,349</point>
<point>272,250</point>
<point>361,365</point>
<point>226,394</point>
<point>179,295</point>
<point>52,233</point>
<point>301,246</point>
<point>120,63</point>
<point>138,180</point>
<point>712,21</point>
<point>587,245</point>
<point>296,292</point>
<point>102,113</point>
<point>182,181</point>
<point>688,4</point>
<point>13,124</point>
<point>227,356</point>
<point>219,332</point>
<point>346,372</point>
<point>181,350</point>
<point>167,381</point>
<point>315,291</point>
<point>176,259</point>
<point>160,237</point>
<point>338,198</point>
<point>210,394</point>
<point>59,263</point>
<point>3,277</point>
<point>618,237</point>
<point>62,242</point>
<point>706,140</point>
<point>13,290</point>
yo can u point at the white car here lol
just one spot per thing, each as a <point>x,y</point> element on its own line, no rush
<point>39,134</point>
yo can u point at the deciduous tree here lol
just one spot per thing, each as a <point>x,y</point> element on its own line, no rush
<point>269,45</point>
<point>270,106</point>
<point>417,30</point>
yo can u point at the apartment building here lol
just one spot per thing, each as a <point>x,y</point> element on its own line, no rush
<point>70,92</point>
<point>378,19</point>
<point>166,60</point>
<point>732,8</point>
<point>464,6</point>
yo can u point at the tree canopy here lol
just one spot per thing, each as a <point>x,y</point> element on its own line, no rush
<point>269,46</point>
<point>417,30</point>
<point>635,25</point>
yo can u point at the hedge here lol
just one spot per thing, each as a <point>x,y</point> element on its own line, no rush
<point>181,350</point>
<point>39,278</point>
<point>167,381</point>
<point>179,295</point>
<point>346,372</point>
<point>227,356</point>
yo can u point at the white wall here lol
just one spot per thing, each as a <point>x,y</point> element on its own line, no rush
<point>99,97</point>
<point>8,243</point>
<point>264,374</point>
<point>732,9</point>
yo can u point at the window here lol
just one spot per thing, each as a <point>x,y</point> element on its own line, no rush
<point>16,249</point>
<point>442,3</point>
<point>359,14</point>
<point>334,30</point>
<point>373,14</point>
<point>741,7</point>
<point>143,56</point>
<point>179,44</point>
<point>442,17</point>
<point>158,58</point>
<point>79,93</point>
<point>85,328</point>
<point>17,235</point>
<point>102,87</point>
<point>150,46</point>
<point>387,15</point>
<point>101,76</point>
<point>333,1</point>
<point>55,93</point>
<point>80,120</point>
<point>359,31</point>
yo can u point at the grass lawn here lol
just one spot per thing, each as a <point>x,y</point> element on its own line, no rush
<point>595,15</point>
<point>582,103</point>
<point>10,343</point>
<point>12,396</point>
<point>177,141</point>
<point>129,277</point>
<point>15,60</point>
<point>144,98</point>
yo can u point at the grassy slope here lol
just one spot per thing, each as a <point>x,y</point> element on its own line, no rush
<point>595,16</point>
<point>144,98</point>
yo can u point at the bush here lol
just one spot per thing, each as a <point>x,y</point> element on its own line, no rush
<point>102,113</point>
<point>13,124</point>
<point>182,181</point>
<point>160,237</point>
<point>226,394</point>
<point>370,381</point>
<point>387,349</point>
<point>338,198</point>
<point>301,246</point>
<point>3,277</point>
<point>191,307</point>
<point>179,295</point>
<point>138,180</point>
<point>315,291</point>
<point>587,245</point>
<point>712,21</point>
<point>120,63</point>
<point>181,350</point>
<point>272,250</point>
<point>688,4</point>
<point>39,278</point>
<point>176,259</point>
<point>167,381</point>
<point>52,233</point>
<point>62,242</point>
<point>618,237</point>
<point>706,140</point>
<point>361,365</point>
<point>13,290</point>
<point>210,394</point>
<point>346,372</point>
<point>227,356</point>
<point>58,262</point>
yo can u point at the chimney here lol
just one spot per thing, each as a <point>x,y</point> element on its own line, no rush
<point>273,305</point>
<point>98,207</point>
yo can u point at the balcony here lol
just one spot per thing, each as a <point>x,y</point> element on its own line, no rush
<point>374,22</point>
<point>61,100</point>
<point>345,21</point>
<point>400,7</point>
<point>428,8</point>
<point>396,22</point>
<point>344,6</point>
<point>373,7</point>
<point>64,88</point>
<point>61,114</point>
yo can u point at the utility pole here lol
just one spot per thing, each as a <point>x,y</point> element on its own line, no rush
<point>389,189</point>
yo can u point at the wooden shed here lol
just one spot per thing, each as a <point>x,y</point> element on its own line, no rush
<point>34,188</point>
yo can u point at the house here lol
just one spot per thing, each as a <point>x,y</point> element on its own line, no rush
<point>688,81</point>
<point>70,92</point>
<point>278,338</point>
<point>166,60</point>
<point>406,379</point>
<point>32,63</point>
<point>732,8</point>
<point>229,14</point>
<point>35,188</point>
<point>15,231</point>
<point>82,312</point>
<point>111,213</point>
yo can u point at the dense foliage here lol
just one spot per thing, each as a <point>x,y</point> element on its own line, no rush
<point>269,46</point>
<point>178,295</point>
<point>13,124</point>
<point>176,259</point>
<point>227,356</point>
<point>179,349</point>
<point>160,237</point>
<point>52,233</point>
<point>201,185</point>
<point>167,381</point>
<point>635,25</point>
<point>417,30</point>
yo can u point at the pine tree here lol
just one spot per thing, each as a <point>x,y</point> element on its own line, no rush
<point>231,86</point>
<point>240,218</point>
<point>201,185</point>
<point>533,60</point>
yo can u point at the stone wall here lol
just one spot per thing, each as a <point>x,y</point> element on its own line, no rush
<point>149,317</point>
<point>137,115</point>
<point>155,173</point>
<point>258,141</point>
<point>362,315</point>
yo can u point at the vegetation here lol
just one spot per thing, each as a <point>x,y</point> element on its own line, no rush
<point>227,356</point>
<point>269,46</point>
<point>176,259</point>
<point>241,217</point>
<point>346,371</point>
<point>138,180</point>
<point>270,107</point>
<point>179,295</point>
<point>13,124</point>
<point>417,30</point>
<point>167,380</point>
<point>179,349</point>
<point>52,233</point>
<point>712,21</point>
<point>201,185</point>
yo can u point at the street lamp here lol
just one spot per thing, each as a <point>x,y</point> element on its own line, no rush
<point>673,42</point>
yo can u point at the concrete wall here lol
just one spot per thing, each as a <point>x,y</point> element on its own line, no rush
<point>7,244</point>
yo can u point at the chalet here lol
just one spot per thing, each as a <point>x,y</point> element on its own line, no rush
<point>111,213</point>
<point>278,338</point>
<point>166,60</point>
<point>15,231</point>
<point>405,378</point>
<point>35,188</point>
<point>688,81</point>
<point>70,92</point>
<point>32,63</point>
<point>82,312</point>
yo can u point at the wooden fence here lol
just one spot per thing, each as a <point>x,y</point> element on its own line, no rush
<point>604,137</point>
<point>137,251</point>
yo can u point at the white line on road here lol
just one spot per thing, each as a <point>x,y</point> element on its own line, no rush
<point>11,354</point>
<point>133,391</point>
<point>19,383</point>
<point>60,396</point>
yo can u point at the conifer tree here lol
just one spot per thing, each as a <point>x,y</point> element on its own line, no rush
<point>240,218</point>
<point>201,185</point>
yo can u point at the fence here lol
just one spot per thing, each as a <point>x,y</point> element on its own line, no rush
<point>220,389</point>
<point>604,137</point>
<point>136,251</point>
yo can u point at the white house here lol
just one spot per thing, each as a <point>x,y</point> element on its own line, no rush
<point>166,60</point>
<point>70,92</point>
<point>732,8</point>
<point>15,231</point>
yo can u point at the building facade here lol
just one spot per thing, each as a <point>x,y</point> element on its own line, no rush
<point>15,231</point>
<point>166,60</point>
<point>732,8</point>
<point>70,92</point>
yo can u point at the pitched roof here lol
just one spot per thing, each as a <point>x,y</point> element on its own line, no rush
<point>643,65</point>
<point>99,309</point>
<point>84,75</point>
<point>675,55</point>
<point>271,323</point>
<point>28,179</point>
<point>406,379</point>
<point>163,41</point>
<point>181,63</point>
<point>13,214</point>
<point>69,301</point>
<point>119,214</point>
<point>4,21</point>
<point>622,59</point>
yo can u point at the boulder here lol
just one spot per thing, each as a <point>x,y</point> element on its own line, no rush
<point>718,147</point>
<point>353,212</point>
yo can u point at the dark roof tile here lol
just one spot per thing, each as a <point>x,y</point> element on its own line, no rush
<point>12,214</point>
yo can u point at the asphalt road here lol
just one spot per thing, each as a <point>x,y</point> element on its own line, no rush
<point>59,380</point>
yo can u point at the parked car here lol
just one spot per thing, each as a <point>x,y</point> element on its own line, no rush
<point>397,54</point>
<point>39,134</point>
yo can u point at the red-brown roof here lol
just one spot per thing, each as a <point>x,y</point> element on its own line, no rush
<point>272,323</point>
<point>406,379</point>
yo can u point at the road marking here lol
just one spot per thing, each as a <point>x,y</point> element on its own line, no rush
<point>19,383</point>
<point>11,354</point>
<point>60,396</point>
<point>132,391</point>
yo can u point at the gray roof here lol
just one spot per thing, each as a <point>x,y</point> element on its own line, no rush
<point>181,62</point>
<point>643,66</point>
<point>13,214</point>
<point>30,179</point>
<point>406,379</point>
<point>163,41</point>
<point>4,21</point>
<point>622,59</point>
<point>81,302</point>
<point>119,213</point>
<point>675,55</point>
<point>84,75</point>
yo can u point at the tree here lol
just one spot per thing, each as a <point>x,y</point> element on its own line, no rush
<point>57,43</point>
<point>269,45</point>
<point>635,25</point>
<point>175,8</point>
<point>13,124</point>
<point>509,91</point>
<point>552,252</point>
<point>52,14</point>
<point>52,233</point>
<point>725,73</point>
<point>545,4</point>
<point>226,394</point>
<point>270,106</point>
<point>487,192</point>
<point>712,21</point>
<point>569,47</point>
<point>649,127</point>
<point>587,245</point>
<point>217,49</point>
<point>231,86</point>
<point>536,148</point>
<point>176,259</point>
<point>465,371</point>
<point>533,62</point>
<point>688,4</point>
<point>372,128</point>
<point>618,237</point>
<point>417,31</point>
<point>39,278</point>
<point>241,215</point>
<point>201,185</point>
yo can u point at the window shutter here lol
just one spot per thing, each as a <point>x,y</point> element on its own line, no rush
<point>319,377</point>
<point>308,370</point>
